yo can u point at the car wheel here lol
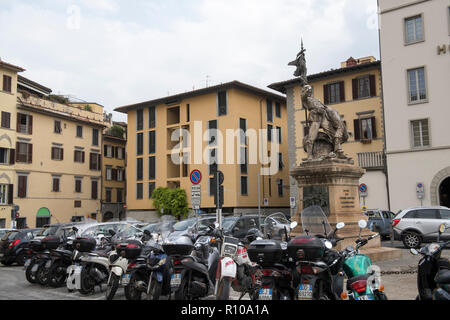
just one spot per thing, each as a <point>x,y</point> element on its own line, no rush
<point>411,239</point>
<point>21,258</point>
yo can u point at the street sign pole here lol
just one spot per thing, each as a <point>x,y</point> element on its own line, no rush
<point>219,207</point>
<point>259,200</point>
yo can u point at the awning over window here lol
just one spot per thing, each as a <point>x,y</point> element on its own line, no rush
<point>43,212</point>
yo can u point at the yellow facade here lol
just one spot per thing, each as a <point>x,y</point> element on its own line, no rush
<point>75,196</point>
<point>7,139</point>
<point>242,103</point>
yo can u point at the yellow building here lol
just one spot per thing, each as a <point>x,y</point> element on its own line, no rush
<point>234,105</point>
<point>113,172</point>
<point>58,158</point>
<point>354,90</point>
<point>8,98</point>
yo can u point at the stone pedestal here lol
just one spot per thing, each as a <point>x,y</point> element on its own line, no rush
<point>333,185</point>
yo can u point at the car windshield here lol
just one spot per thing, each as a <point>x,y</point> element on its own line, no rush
<point>10,235</point>
<point>183,225</point>
<point>373,214</point>
<point>228,223</point>
<point>49,231</point>
<point>103,229</point>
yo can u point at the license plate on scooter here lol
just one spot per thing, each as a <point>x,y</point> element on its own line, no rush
<point>35,267</point>
<point>126,279</point>
<point>175,280</point>
<point>305,292</point>
<point>48,264</point>
<point>265,294</point>
<point>365,297</point>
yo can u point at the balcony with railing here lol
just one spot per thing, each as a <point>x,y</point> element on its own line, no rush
<point>371,160</point>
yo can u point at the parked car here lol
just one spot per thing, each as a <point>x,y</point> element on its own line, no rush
<point>3,231</point>
<point>420,224</point>
<point>238,226</point>
<point>380,221</point>
<point>14,245</point>
<point>190,225</point>
<point>275,224</point>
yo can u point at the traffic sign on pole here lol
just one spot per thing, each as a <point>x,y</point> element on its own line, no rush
<point>195,176</point>
<point>363,190</point>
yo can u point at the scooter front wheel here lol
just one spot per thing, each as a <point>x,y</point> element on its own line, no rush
<point>30,277</point>
<point>155,290</point>
<point>112,286</point>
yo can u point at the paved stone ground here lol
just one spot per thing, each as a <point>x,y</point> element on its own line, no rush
<point>14,285</point>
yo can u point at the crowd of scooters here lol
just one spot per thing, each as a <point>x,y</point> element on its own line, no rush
<point>208,263</point>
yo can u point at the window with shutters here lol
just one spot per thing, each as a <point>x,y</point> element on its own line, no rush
<point>57,126</point>
<point>57,153</point>
<point>414,29</point>
<point>108,193</point>
<point>139,191</point>
<point>108,173</point>
<point>213,159</point>
<point>243,132</point>
<point>95,137</point>
<point>140,144</point>
<point>244,186</point>
<point>77,204</point>
<point>152,168</point>
<point>279,135</point>
<point>280,187</point>
<point>78,156</point>
<point>269,110</point>
<point>108,150</point>
<point>140,119</point>
<point>22,187</point>
<point>7,80</point>
<point>24,123</point>
<point>3,194</point>
<point>222,103</point>
<point>152,142</point>
<point>280,161</point>
<point>94,161</point>
<point>24,152</point>
<point>420,133</point>
<point>55,184</point>
<point>277,109</point>
<point>6,120</point>
<point>152,117</point>
<point>244,160</point>
<point>151,188</point>
<point>417,91</point>
<point>364,87</point>
<point>212,131</point>
<point>79,133</point>
<point>120,174</point>
<point>139,169</point>
<point>4,156</point>
<point>365,129</point>
<point>269,132</point>
<point>94,189</point>
<point>119,195</point>
<point>120,153</point>
<point>78,183</point>
<point>334,92</point>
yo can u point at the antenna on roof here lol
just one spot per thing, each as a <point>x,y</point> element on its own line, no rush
<point>207,80</point>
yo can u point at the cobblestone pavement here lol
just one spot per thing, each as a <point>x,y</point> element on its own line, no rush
<point>399,282</point>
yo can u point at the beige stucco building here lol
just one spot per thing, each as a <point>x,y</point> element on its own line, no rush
<point>354,90</point>
<point>232,106</point>
<point>8,98</point>
<point>57,157</point>
<point>415,55</point>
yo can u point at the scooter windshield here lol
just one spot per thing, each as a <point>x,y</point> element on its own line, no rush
<point>315,222</point>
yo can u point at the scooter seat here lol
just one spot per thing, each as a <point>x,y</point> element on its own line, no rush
<point>357,278</point>
<point>443,277</point>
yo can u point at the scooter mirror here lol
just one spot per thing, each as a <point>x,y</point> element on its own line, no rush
<point>414,251</point>
<point>328,244</point>
<point>362,224</point>
<point>216,224</point>
<point>340,225</point>
<point>442,228</point>
<point>293,224</point>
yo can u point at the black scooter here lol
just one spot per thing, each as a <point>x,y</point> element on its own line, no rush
<point>433,276</point>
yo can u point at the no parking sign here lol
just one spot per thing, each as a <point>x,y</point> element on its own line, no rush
<point>363,190</point>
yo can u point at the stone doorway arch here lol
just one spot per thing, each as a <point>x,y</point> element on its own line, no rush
<point>436,183</point>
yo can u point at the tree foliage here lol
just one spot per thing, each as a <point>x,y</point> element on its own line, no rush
<point>173,201</point>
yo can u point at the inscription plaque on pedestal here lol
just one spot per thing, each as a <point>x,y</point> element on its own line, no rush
<point>317,196</point>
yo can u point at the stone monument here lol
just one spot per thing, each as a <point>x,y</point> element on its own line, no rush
<point>327,177</point>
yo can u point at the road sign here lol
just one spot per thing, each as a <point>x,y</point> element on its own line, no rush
<point>196,196</point>
<point>195,176</point>
<point>363,190</point>
<point>420,190</point>
<point>266,202</point>
<point>292,202</point>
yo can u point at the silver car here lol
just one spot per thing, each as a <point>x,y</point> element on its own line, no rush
<point>420,224</point>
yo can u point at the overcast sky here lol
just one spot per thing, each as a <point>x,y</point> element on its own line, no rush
<point>122,52</point>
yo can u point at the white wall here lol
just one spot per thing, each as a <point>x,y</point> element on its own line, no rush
<point>376,190</point>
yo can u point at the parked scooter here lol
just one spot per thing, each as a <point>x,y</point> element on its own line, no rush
<point>318,267</point>
<point>363,283</point>
<point>35,268</point>
<point>433,276</point>
<point>37,254</point>
<point>275,276</point>
<point>61,259</point>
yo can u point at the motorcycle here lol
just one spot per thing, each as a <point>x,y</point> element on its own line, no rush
<point>433,276</point>
<point>35,268</point>
<point>363,283</point>
<point>150,275</point>
<point>317,273</point>
<point>36,256</point>
<point>198,270</point>
<point>89,268</point>
<point>274,277</point>
<point>61,259</point>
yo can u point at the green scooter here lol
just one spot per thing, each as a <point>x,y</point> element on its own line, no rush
<point>363,278</point>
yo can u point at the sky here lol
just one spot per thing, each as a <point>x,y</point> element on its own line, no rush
<point>117,52</point>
